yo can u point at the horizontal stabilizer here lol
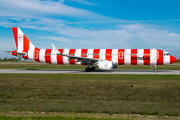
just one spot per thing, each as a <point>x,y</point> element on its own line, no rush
<point>18,53</point>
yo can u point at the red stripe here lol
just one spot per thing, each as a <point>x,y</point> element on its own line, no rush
<point>133,56</point>
<point>160,57</point>
<point>25,46</point>
<point>172,59</point>
<point>96,53</point>
<point>146,56</point>
<point>36,54</point>
<point>121,56</point>
<point>72,53</point>
<point>15,30</point>
<point>109,54</point>
<point>59,57</point>
<point>84,52</point>
<point>14,53</point>
<point>48,55</point>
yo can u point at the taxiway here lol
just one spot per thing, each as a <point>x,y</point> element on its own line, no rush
<point>65,71</point>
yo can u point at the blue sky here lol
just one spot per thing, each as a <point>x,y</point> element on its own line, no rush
<point>92,24</point>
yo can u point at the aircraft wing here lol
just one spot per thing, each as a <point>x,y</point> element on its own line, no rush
<point>82,59</point>
<point>78,58</point>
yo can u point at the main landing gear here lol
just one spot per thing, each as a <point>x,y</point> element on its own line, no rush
<point>90,69</point>
<point>155,68</point>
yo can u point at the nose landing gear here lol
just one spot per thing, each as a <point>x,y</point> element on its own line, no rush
<point>155,68</point>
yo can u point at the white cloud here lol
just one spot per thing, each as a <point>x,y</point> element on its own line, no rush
<point>37,8</point>
<point>36,14</point>
<point>61,1</point>
<point>161,39</point>
<point>59,39</point>
<point>174,34</point>
<point>7,44</point>
<point>126,36</point>
<point>132,27</point>
<point>83,2</point>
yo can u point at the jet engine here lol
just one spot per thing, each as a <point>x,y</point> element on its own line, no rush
<point>105,65</point>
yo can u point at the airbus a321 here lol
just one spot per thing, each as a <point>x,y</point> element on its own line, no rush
<point>105,59</point>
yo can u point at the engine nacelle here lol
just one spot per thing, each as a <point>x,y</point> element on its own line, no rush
<point>105,65</point>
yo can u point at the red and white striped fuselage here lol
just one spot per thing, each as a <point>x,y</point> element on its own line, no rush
<point>117,56</point>
<point>90,57</point>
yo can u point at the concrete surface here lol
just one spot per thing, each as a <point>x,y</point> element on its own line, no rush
<point>64,71</point>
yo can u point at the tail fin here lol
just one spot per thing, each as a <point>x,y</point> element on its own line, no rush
<point>22,42</point>
<point>23,45</point>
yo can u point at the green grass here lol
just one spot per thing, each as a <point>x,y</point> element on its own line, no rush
<point>26,115</point>
<point>32,65</point>
<point>112,94</point>
<point>57,118</point>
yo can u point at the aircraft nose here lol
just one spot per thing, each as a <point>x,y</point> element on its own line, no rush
<point>172,59</point>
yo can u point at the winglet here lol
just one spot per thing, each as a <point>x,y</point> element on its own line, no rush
<point>57,51</point>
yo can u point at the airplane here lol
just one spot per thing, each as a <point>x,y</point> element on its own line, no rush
<point>105,59</point>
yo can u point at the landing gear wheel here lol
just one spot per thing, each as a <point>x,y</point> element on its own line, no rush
<point>155,70</point>
<point>87,69</point>
<point>93,68</point>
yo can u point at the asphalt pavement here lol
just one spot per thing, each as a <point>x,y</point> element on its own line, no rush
<point>70,71</point>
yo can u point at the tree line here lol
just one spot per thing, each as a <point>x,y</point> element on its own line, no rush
<point>12,59</point>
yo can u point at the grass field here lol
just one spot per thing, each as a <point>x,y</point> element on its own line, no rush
<point>57,118</point>
<point>111,94</point>
<point>35,65</point>
<point>97,117</point>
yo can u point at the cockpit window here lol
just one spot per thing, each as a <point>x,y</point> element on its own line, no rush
<point>166,54</point>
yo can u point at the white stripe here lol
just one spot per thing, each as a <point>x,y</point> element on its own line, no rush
<point>90,53</point>
<point>140,53</point>
<point>166,58</point>
<point>127,58</point>
<point>153,58</point>
<point>20,40</point>
<point>115,56</point>
<point>65,59</point>
<point>102,54</point>
<point>31,51</point>
<point>78,53</point>
<point>42,55</point>
<point>53,57</point>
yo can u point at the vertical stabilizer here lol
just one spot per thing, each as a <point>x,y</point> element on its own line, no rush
<point>22,42</point>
